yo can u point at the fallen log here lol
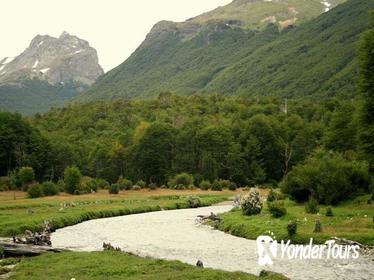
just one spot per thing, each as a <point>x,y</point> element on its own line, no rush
<point>212,217</point>
<point>27,250</point>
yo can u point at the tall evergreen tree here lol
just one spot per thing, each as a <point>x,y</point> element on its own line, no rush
<point>366,83</point>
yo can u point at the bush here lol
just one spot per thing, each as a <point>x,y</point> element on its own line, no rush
<point>277,209</point>
<point>91,185</point>
<point>330,177</point>
<point>232,186</point>
<point>329,212</point>
<point>72,177</point>
<point>317,227</point>
<point>311,206</point>
<point>26,175</point>
<point>205,185</point>
<point>152,186</point>
<point>124,184</point>
<point>216,186</point>
<point>225,184</point>
<point>180,181</point>
<point>102,184</point>
<point>114,189</point>
<point>272,196</point>
<point>292,228</point>
<point>251,203</point>
<point>136,188</point>
<point>35,191</point>
<point>193,201</point>
<point>49,189</point>
<point>61,185</point>
<point>141,184</point>
<point>5,183</point>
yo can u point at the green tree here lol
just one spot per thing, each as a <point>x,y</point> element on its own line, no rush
<point>154,153</point>
<point>72,177</point>
<point>22,145</point>
<point>26,175</point>
<point>328,177</point>
<point>366,83</point>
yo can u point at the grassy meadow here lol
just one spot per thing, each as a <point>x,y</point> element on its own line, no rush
<point>19,213</point>
<point>115,266</point>
<point>352,220</point>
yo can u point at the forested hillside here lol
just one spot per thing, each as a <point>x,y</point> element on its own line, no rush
<point>316,58</point>
<point>32,96</point>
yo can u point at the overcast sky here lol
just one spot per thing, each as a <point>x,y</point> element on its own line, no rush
<point>115,28</point>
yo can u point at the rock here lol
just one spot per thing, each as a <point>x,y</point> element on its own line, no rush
<point>109,247</point>
<point>199,264</point>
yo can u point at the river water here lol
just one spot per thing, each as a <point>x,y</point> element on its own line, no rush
<point>176,235</point>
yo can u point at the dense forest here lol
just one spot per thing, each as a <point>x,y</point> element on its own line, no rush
<point>245,141</point>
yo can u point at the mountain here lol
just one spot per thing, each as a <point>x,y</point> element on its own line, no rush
<point>188,57</point>
<point>48,73</point>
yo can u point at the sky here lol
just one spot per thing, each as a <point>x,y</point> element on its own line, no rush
<point>115,28</point>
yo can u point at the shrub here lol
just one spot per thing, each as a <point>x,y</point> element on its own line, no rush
<point>114,189</point>
<point>216,186</point>
<point>141,184</point>
<point>72,177</point>
<point>318,226</point>
<point>49,189</point>
<point>91,186</point>
<point>251,203</point>
<point>292,228</point>
<point>277,209</point>
<point>5,183</point>
<point>311,206</point>
<point>180,181</point>
<point>124,184</point>
<point>205,185</point>
<point>232,186</point>
<point>330,177</point>
<point>152,186</point>
<point>61,185</point>
<point>35,191</point>
<point>194,201</point>
<point>272,196</point>
<point>329,212</point>
<point>225,184</point>
<point>26,175</point>
<point>101,183</point>
<point>136,188</point>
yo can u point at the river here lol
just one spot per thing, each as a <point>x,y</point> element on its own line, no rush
<point>175,235</point>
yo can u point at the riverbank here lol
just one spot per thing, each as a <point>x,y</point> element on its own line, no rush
<point>118,266</point>
<point>18,213</point>
<point>351,220</point>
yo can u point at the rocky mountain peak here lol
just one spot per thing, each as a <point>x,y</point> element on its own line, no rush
<point>56,60</point>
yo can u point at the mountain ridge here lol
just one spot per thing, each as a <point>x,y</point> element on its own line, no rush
<point>49,72</point>
<point>168,61</point>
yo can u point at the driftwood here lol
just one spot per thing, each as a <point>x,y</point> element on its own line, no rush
<point>17,250</point>
<point>212,217</point>
<point>343,241</point>
<point>36,238</point>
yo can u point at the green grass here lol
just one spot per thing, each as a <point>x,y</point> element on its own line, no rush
<point>115,265</point>
<point>15,216</point>
<point>352,220</point>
